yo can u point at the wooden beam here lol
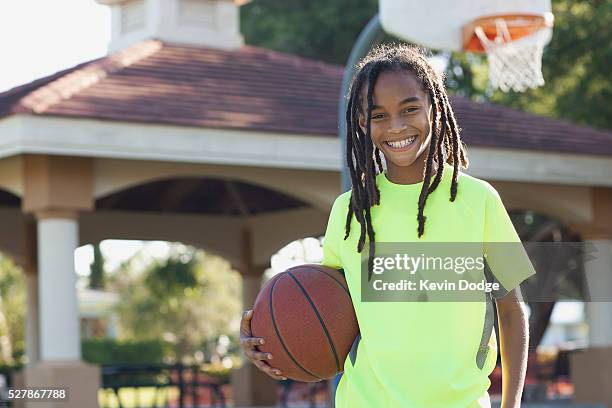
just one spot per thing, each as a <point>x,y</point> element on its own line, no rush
<point>234,193</point>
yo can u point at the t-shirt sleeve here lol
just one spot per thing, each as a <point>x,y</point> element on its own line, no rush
<point>334,233</point>
<point>507,262</point>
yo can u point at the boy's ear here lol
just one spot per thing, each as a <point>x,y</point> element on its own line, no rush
<point>362,123</point>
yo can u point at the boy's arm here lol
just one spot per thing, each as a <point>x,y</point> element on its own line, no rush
<point>514,344</point>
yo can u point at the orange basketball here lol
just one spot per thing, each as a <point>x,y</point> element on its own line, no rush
<point>306,317</point>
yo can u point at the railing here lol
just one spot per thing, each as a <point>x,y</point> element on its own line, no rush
<point>5,384</point>
<point>189,385</point>
<point>166,385</point>
<point>177,386</point>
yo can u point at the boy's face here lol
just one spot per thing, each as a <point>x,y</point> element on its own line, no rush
<point>401,118</point>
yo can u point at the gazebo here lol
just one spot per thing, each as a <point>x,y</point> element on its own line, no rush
<point>183,133</point>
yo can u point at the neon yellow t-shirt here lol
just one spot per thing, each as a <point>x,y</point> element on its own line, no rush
<point>422,354</point>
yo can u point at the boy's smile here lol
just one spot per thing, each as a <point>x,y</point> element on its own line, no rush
<point>402,145</point>
<point>400,124</point>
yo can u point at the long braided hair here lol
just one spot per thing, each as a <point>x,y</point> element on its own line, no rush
<point>364,159</point>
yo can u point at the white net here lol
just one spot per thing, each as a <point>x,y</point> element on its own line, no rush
<point>514,64</point>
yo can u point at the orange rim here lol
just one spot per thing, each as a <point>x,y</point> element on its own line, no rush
<point>519,25</point>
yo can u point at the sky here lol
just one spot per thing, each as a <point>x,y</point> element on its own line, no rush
<point>117,251</point>
<point>41,37</point>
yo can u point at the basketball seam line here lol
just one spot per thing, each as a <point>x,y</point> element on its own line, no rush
<point>329,339</point>
<point>280,338</point>
<point>337,281</point>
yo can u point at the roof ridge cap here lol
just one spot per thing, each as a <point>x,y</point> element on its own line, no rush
<point>66,86</point>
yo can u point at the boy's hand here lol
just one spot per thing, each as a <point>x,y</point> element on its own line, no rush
<point>248,344</point>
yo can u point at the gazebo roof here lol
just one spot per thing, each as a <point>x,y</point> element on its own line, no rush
<point>257,89</point>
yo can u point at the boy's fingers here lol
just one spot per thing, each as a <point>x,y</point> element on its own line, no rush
<point>250,342</point>
<point>257,355</point>
<point>245,323</point>
<point>272,372</point>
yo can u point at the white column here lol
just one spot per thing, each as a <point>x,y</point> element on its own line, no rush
<point>599,280</point>
<point>58,305</point>
<point>31,337</point>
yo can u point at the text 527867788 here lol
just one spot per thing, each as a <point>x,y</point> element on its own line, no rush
<point>37,394</point>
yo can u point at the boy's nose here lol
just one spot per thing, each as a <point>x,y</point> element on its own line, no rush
<point>397,129</point>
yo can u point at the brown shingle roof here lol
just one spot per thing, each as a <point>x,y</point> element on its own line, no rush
<point>256,89</point>
<point>490,125</point>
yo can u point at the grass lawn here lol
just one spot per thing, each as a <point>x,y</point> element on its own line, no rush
<point>137,397</point>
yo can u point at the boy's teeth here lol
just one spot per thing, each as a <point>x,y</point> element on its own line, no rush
<point>401,143</point>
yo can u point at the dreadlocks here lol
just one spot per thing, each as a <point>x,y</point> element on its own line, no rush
<point>364,159</point>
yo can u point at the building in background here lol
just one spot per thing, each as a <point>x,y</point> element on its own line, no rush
<point>96,315</point>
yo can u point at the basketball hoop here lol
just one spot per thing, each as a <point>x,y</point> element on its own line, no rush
<point>514,45</point>
<point>513,33</point>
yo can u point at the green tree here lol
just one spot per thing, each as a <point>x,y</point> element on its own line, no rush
<point>319,29</point>
<point>189,299</point>
<point>467,75</point>
<point>12,312</point>
<point>96,269</point>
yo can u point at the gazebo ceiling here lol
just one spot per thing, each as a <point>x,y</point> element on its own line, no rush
<point>199,196</point>
<point>9,200</point>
